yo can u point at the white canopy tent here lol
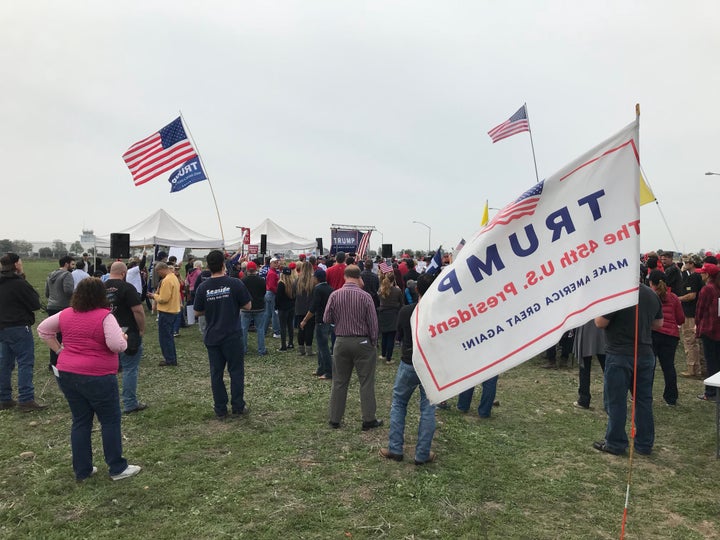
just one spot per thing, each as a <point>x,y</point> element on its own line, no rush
<point>279,240</point>
<point>162,229</point>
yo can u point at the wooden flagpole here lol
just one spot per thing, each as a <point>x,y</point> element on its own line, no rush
<point>202,164</point>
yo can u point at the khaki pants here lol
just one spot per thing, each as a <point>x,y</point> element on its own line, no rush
<point>349,353</point>
<point>693,350</point>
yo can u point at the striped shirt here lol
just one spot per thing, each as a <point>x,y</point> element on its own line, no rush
<point>352,311</point>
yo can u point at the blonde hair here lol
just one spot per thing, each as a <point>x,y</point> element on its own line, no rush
<point>387,282</point>
<point>304,283</point>
<point>288,280</point>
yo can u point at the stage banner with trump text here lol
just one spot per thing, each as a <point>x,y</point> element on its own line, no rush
<point>566,251</point>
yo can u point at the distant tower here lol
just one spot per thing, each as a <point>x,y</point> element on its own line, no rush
<point>87,238</point>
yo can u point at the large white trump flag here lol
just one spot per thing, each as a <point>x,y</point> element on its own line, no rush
<point>563,253</point>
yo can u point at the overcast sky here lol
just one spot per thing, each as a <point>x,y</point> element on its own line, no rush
<point>368,113</point>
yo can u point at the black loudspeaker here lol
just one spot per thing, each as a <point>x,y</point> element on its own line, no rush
<point>318,241</point>
<point>263,244</point>
<point>119,246</point>
<point>387,250</point>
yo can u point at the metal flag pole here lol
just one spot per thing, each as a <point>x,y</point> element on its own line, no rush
<point>633,427</point>
<point>537,177</point>
<point>202,163</point>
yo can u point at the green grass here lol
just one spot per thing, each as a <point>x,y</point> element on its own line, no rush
<point>528,472</point>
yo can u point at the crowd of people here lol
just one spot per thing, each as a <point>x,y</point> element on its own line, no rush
<point>349,314</point>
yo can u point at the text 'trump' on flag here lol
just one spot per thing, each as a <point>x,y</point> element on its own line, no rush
<point>517,123</point>
<point>161,152</point>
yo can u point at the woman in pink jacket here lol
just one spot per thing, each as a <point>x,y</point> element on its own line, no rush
<point>665,340</point>
<point>87,375</point>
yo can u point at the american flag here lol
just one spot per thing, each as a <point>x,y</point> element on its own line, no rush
<point>517,123</point>
<point>460,245</point>
<point>385,267</point>
<point>523,206</point>
<point>163,151</point>
<point>363,245</point>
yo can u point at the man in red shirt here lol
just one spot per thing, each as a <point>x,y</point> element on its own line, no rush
<point>336,273</point>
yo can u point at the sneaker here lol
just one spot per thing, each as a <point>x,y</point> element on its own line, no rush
<point>705,397</point>
<point>9,404</point>
<point>244,412</point>
<point>334,425</point>
<point>276,336</point>
<point>93,472</point>
<point>29,406</point>
<point>131,470</point>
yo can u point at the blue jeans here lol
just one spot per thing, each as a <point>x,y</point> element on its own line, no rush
<point>489,389</point>
<point>165,336</point>
<point>87,396</point>
<point>618,381</point>
<point>406,381</point>
<point>270,314</point>
<point>17,345</point>
<point>260,318</point>
<point>228,353</point>
<point>178,322</point>
<point>130,366</point>
<point>322,337</point>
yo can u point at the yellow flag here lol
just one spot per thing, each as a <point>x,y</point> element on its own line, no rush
<point>646,194</point>
<point>484,219</point>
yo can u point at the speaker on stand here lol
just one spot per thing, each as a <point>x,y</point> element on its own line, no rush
<point>387,251</point>
<point>318,241</point>
<point>263,244</point>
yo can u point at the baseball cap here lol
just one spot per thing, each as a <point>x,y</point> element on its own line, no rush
<point>320,274</point>
<point>708,268</point>
<point>251,266</point>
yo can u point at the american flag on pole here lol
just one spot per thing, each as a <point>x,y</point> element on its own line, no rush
<point>523,206</point>
<point>517,123</point>
<point>161,152</point>
<point>363,245</point>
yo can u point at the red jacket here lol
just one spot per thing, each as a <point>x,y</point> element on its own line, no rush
<point>673,315</point>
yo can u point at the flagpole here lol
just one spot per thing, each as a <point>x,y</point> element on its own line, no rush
<point>537,177</point>
<point>197,151</point>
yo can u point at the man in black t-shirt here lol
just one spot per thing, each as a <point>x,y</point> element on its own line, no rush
<point>692,283</point>
<point>220,300</point>
<point>130,315</point>
<point>319,300</point>
<point>619,366</point>
<point>255,285</point>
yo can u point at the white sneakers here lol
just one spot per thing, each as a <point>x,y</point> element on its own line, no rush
<point>131,470</point>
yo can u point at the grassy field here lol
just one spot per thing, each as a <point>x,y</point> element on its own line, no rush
<point>528,472</point>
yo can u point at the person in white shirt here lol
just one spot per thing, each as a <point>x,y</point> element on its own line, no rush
<point>79,273</point>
